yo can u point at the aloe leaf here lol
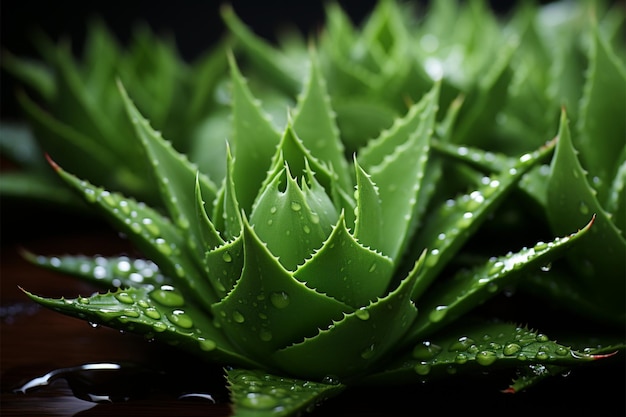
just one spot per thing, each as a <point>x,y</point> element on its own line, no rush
<point>209,234</point>
<point>224,264</point>
<point>398,194</point>
<point>254,139</point>
<point>469,347</point>
<point>267,297</point>
<point>276,67</point>
<point>118,272</point>
<point>346,270</point>
<point>153,234</point>
<point>368,222</point>
<point>452,299</point>
<point>24,186</point>
<point>598,259</point>
<point>599,138</point>
<point>616,201</point>
<point>314,123</point>
<point>278,215</point>
<point>162,313</point>
<point>449,226</point>
<point>36,75</point>
<point>366,335</point>
<point>173,172</point>
<point>258,394</point>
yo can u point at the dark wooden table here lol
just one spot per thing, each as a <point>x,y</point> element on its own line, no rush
<point>35,341</point>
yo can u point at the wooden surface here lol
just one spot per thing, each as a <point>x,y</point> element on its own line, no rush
<point>35,341</point>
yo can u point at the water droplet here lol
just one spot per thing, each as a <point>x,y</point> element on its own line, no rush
<point>273,210</point>
<point>83,300</point>
<point>153,313</point>
<point>438,313</point>
<point>432,258</point>
<point>265,335</point>
<point>206,344</point>
<point>486,357</point>
<point>368,352</point>
<point>461,358</point>
<point>362,313</point>
<point>461,345</point>
<point>295,206</point>
<point>124,297</point>
<point>422,368</point>
<point>226,257</point>
<point>540,246</point>
<point>238,317</point>
<point>511,349</point>
<point>542,355</point>
<point>561,351</point>
<point>167,296</point>
<point>426,350</point>
<point>163,247</point>
<point>280,299</point>
<point>546,267</point>
<point>151,227</point>
<point>159,326</point>
<point>181,319</point>
<point>583,208</point>
<point>259,401</point>
<point>372,268</point>
<point>306,229</point>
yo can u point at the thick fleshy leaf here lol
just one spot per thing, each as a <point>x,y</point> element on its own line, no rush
<point>254,139</point>
<point>450,300</point>
<point>449,227</point>
<point>597,260</point>
<point>356,342</point>
<point>475,346</point>
<point>399,190</point>
<point>163,313</point>
<point>286,223</point>
<point>153,234</point>
<point>346,270</point>
<point>258,314</point>
<point>368,223</point>
<point>258,394</point>
<point>314,123</point>
<point>120,271</point>
<point>599,138</point>
<point>209,234</point>
<point>174,174</point>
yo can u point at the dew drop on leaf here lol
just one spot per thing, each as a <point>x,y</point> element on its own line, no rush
<point>461,345</point>
<point>422,368</point>
<point>167,296</point>
<point>362,313</point>
<point>259,401</point>
<point>368,352</point>
<point>426,350</point>
<point>438,313</point>
<point>124,298</point>
<point>279,299</point>
<point>226,257</point>
<point>152,313</point>
<point>511,349</point>
<point>181,319</point>
<point>206,344</point>
<point>238,317</point>
<point>486,357</point>
<point>295,206</point>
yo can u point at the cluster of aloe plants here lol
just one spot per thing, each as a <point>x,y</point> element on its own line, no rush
<point>321,214</point>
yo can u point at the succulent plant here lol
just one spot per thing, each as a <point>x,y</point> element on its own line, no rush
<point>367,199</point>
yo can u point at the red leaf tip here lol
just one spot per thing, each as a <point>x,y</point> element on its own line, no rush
<point>53,164</point>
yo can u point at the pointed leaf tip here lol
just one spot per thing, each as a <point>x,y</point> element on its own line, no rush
<point>53,164</point>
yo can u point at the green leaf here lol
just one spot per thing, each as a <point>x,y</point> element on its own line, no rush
<point>258,394</point>
<point>346,270</point>
<point>399,177</point>
<point>118,272</point>
<point>314,123</point>
<point>268,308</point>
<point>600,138</point>
<point>365,336</point>
<point>153,234</point>
<point>597,260</point>
<point>254,140</point>
<point>450,300</point>
<point>448,227</point>
<point>174,174</point>
<point>162,314</point>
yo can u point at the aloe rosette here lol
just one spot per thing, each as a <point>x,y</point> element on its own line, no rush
<point>305,271</point>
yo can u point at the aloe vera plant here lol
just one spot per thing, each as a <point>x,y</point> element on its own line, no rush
<point>325,253</point>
